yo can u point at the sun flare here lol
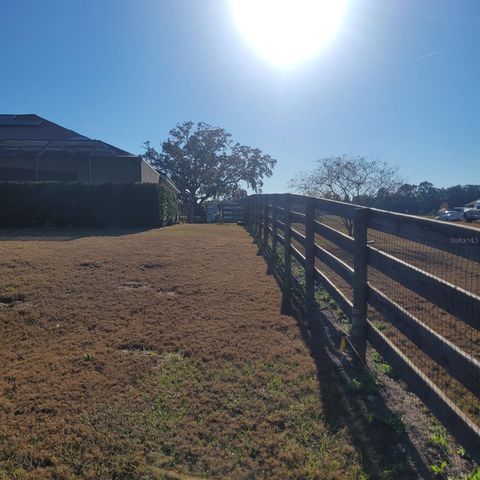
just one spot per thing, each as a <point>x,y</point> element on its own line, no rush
<point>288,32</point>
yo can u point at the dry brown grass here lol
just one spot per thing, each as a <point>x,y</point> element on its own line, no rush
<point>152,355</point>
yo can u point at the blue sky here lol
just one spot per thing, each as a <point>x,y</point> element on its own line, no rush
<point>126,71</point>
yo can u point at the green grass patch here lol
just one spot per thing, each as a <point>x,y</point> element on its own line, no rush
<point>214,419</point>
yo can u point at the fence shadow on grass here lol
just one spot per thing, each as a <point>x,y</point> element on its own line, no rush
<point>350,397</point>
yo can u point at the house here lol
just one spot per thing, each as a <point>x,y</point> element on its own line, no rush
<point>224,212</point>
<point>35,149</point>
<point>473,203</point>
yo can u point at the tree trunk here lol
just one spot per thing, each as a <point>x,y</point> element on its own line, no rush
<point>348,222</point>
<point>188,207</point>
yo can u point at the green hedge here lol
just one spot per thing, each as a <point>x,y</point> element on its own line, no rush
<point>60,204</point>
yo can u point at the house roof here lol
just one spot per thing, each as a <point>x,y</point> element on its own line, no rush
<point>33,127</point>
<point>31,133</point>
<point>169,182</point>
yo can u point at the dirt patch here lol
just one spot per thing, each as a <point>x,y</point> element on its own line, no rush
<point>137,348</point>
<point>15,264</point>
<point>150,266</point>
<point>91,265</point>
<point>142,286</point>
<point>135,286</point>
<point>12,299</point>
<point>167,293</point>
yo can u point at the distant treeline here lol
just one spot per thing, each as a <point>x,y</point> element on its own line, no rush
<point>423,199</point>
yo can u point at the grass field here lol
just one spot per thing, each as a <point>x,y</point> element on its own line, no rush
<point>152,355</point>
<point>164,355</point>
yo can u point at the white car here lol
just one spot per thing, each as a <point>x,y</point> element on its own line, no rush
<point>450,216</point>
<point>472,214</point>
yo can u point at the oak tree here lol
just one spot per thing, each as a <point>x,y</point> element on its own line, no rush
<point>206,164</point>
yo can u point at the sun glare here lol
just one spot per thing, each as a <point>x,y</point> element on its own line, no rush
<point>288,32</point>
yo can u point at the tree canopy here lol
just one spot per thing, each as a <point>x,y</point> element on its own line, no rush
<point>425,198</point>
<point>206,164</point>
<point>348,178</point>
<point>376,184</point>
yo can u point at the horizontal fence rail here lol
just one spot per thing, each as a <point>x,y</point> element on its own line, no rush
<point>353,271</point>
<point>450,238</point>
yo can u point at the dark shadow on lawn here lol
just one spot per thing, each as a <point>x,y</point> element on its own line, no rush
<point>384,451</point>
<point>63,234</point>
<point>351,399</point>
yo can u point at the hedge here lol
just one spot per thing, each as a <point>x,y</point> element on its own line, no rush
<point>61,204</point>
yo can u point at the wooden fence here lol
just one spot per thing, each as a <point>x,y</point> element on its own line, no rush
<point>281,219</point>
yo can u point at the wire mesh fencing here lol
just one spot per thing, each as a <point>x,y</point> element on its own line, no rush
<point>448,268</point>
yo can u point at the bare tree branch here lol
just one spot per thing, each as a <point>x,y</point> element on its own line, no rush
<point>352,179</point>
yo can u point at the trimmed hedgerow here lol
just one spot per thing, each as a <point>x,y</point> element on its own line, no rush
<point>60,204</point>
<point>168,206</point>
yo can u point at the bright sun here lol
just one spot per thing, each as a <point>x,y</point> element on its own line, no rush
<point>287,32</point>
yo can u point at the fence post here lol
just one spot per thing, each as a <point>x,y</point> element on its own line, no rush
<point>251,214</point>
<point>310,254</point>
<point>274,226</point>
<point>360,277</point>
<point>287,249</point>
<point>254,214</point>
<point>261,217</point>
<point>257,216</point>
<point>265,222</point>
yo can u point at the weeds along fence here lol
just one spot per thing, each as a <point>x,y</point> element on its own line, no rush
<point>408,287</point>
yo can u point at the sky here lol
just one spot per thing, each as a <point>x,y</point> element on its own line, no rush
<point>399,80</point>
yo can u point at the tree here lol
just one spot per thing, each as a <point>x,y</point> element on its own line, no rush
<point>206,165</point>
<point>425,198</point>
<point>404,199</point>
<point>429,197</point>
<point>348,178</point>
<point>459,195</point>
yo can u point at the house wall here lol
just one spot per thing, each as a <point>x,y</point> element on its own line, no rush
<point>115,170</point>
<point>148,173</point>
<point>102,169</point>
<point>57,168</point>
<point>12,169</point>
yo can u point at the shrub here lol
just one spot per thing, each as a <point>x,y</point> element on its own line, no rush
<point>61,204</point>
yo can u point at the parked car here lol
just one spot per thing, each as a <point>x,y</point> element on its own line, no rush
<point>471,214</point>
<point>450,216</point>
